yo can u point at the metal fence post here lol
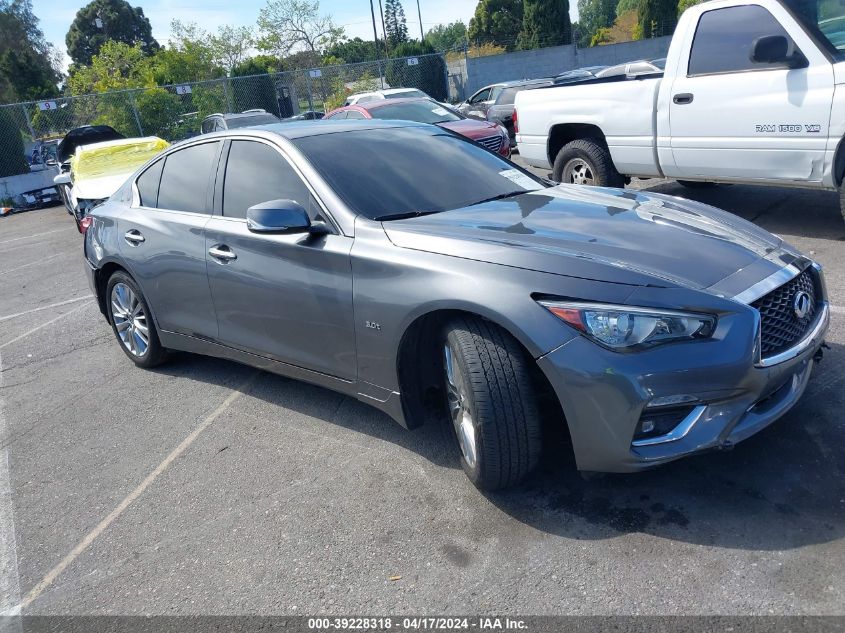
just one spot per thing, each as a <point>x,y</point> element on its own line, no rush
<point>28,120</point>
<point>308,85</point>
<point>135,112</point>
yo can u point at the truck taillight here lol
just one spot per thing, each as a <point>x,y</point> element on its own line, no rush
<point>515,123</point>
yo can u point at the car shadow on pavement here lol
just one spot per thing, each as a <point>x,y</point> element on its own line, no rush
<point>804,212</point>
<point>781,489</point>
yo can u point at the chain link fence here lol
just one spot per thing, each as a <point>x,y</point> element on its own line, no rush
<point>29,132</point>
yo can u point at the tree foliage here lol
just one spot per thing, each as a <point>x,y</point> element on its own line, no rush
<point>545,23</point>
<point>351,51</point>
<point>28,68</point>
<point>623,29</point>
<point>496,22</point>
<point>446,37</point>
<point>593,16</point>
<point>657,17</point>
<point>429,75</point>
<point>683,5</point>
<point>285,25</point>
<point>12,160</point>
<point>395,25</point>
<point>120,22</point>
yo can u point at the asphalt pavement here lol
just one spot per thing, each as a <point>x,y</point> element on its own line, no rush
<point>207,487</point>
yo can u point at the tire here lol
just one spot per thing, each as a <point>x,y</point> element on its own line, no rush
<point>491,403</point>
<point>696,184</point>
<point>126,305</point>
<point>842,199</point>
<point>594,157</point>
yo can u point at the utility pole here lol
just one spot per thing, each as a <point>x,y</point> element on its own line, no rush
<point>383,31</point>
<point>419,15</point>
<point>375,42</point>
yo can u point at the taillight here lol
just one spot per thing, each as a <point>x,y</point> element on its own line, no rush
<point>515,123</point>
<point>84,223</point>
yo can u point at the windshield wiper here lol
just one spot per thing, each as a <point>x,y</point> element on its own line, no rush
<point>501,196</point>
<point>402,216</point>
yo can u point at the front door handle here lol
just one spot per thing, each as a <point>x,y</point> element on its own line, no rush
<point>133,237</point>
<point>222,253</point>
<point>683,98</point>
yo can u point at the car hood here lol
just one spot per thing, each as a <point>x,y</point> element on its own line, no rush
<point>471,128</point>
<point>612,235</point>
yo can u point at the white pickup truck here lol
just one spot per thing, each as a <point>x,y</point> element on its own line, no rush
<point>753,92</point>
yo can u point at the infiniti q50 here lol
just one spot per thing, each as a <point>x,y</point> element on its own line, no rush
<point>425,275</point>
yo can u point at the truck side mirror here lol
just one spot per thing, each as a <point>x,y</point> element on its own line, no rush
<point>774,49</point>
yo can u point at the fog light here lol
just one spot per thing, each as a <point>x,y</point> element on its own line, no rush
<point>657,423</point>
<point>671,401</point>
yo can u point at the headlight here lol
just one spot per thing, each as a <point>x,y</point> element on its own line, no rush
<point>623,327</point>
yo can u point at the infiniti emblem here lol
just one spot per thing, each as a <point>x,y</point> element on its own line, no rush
<point>801,304</point>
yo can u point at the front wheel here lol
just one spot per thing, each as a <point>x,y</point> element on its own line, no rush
<point>586,162</point>
<point>131,322</point>
<point>842,199</point>
<point>491,402</point>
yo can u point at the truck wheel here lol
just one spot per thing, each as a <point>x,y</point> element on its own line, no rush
<point>842,199</point>
<point>491,401</point>
<point>586,162</point>
<point>696,184</point>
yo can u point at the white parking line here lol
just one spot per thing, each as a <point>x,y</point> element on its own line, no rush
<point>40,261</point>
<point>43,325</point>
<point>29,237</point>
<point>54,573</point>
<point>10,593</point>
<point>52,305</point>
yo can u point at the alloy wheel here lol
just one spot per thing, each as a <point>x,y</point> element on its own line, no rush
<point>130,319</point>
<point>578,172</point>
<point>458,401</point>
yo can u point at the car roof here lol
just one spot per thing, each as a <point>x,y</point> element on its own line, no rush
<point>302,129</point>
<point>371,105</point>
<point>236,115</point>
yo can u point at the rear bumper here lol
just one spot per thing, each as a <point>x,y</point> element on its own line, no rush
<point>604,394</point>
<point>532,149</point>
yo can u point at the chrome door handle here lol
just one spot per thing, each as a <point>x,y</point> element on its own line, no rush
<point>134,237</point>
<point>222,254</point>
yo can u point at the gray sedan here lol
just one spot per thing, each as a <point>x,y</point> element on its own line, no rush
<point>415,270</point>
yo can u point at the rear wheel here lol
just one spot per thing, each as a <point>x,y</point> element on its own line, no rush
<point>491,402</point>
<point>586,162</point>
<point>842,199</point>
<point>131,322</point>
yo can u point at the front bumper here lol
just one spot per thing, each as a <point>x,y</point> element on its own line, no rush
<point>604,394</point>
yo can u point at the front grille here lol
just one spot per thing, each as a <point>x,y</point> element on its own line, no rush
<point>493,143</point>
<point>780,327</point>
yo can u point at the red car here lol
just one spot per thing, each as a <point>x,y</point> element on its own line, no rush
<point>491,135</point>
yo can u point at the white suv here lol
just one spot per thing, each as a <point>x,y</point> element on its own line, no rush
<point>391,93</point>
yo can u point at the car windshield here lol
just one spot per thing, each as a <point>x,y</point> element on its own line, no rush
<point>247,121</point>
<point>412,171</point>
<point>826,20</point>
<point>406,94</point>
<point>419,111</point>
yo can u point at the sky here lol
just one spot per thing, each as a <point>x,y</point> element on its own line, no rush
<point>354,15</point>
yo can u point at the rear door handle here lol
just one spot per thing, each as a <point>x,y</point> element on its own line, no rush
<point>222,253</point>
<point>683,98</point>
<point>133,237</point>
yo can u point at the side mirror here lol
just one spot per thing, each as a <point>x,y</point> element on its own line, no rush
<point>774,49</point>
<point>282,216</point>
<point>62,179</point>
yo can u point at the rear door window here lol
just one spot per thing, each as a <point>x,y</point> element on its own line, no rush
<point>184,180</point>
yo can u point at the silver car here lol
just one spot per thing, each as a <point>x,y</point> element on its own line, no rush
<point>417,271</point>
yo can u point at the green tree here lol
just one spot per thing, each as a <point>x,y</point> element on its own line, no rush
<point>594,15</point>
<point>102,20</point>
<point>395,26</point>
<point>352,51</point>
<point>545,23</point>
<point>683,5</point>
<point>496,22</point>
<point>657,17</point>
<point>259,65</point>
<point>284,25</point>
<point>428,75</point>
<point>12,160</point>
<point>230,46</point>
<point>446,37</point>
<point>27,62</point>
